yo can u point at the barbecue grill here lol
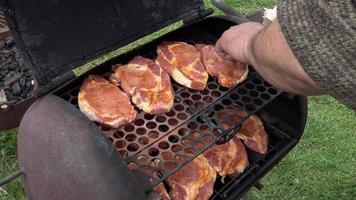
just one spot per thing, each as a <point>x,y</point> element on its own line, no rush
<point>65,156</point>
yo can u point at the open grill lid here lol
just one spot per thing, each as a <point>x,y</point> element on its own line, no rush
<point>56,36</point>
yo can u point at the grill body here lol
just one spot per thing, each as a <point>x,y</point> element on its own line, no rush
<point>284,116</point>
<point>64,156</point>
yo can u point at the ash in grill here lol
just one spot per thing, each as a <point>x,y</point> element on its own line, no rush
<point>15,78</point>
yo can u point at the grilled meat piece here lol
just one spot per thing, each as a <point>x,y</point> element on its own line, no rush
<point>183,63</point>
<point>229,158</point>
<point>147,83</point>
<point>228,72</point>
<point>254,135</point>
<point>195,181</point>
<point>105,103</point>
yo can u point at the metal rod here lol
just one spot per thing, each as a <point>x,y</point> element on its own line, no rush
<point>228,10</point>
<point>11,177</point>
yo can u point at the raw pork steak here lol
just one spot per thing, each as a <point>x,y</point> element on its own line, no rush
<point>183,63</point>
<point>254,135</point>
<point>195,181</point>
<point>148,85</point>
<point>228,72</point>
<point>105,103</point>
<point>229,158</point>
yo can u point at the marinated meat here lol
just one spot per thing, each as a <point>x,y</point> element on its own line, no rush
<point>229,158</point>
<point>195,181</point>
<point>251,132</point>
<point>105,103</point>
<point>254,135</point>
<point>228,72</point>
<point>161,190</point>
<point>147,83</point>
<point>183,63</point>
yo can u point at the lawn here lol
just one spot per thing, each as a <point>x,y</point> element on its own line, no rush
<point>322,166</point>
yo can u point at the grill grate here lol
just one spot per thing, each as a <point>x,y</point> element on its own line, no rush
<point>235,185</point>
<point>160,145</point>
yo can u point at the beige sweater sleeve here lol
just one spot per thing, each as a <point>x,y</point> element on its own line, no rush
<point>322,35</point>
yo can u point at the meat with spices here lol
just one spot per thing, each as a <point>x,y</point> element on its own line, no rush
<point>183,63</point>
<point>148,85</point>
<point>105,103</point>
<point>228,72</point>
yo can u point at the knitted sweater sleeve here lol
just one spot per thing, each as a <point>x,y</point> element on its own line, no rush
<point>322,35</point>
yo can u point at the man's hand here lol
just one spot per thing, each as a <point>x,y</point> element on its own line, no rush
<point>236,42</point>
<point>265,48</point>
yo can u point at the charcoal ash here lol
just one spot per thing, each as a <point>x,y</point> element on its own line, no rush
<point>15,79</point>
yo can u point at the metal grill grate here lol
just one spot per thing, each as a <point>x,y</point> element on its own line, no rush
<point>234,186</point>
<point>160,145</point>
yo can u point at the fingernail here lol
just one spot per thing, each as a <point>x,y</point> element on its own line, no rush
<point>221,54</point>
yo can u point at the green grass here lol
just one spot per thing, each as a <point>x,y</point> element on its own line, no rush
<point>9,164</point>
<point>322,166</point>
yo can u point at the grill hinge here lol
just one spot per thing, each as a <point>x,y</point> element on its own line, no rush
<point>201,14</point>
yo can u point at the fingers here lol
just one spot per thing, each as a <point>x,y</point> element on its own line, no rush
<point>228,57</point>
<point>222,53</point>
<point>234,42</point>
<point>227,46</point>
<point>219,50</point>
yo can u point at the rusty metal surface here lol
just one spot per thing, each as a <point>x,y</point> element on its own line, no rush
<point>12,115</point>
<point>65,156</point>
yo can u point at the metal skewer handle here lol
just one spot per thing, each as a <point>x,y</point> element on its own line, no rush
<point>228,10</point>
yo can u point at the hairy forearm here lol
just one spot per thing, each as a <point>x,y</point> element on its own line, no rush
<point>274,60</point>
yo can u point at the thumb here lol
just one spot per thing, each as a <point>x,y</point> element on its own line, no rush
<point>220,51</point>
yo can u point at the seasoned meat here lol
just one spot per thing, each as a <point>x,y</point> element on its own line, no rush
<point>161,190</point>
<point>103,102</point>
<point>228,72</point>
<point>149,86</point>
<point>229,158</point>
<point>251,132</point>
<point>254,135</point>
<point>183,63</point>
<point>195,181</point>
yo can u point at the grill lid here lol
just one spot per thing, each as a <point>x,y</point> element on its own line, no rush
<point>57,36</point>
